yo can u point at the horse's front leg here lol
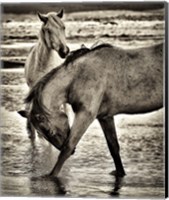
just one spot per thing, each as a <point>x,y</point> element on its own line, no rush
<point>81,123</point>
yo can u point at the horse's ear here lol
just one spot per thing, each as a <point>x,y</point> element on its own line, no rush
<point>23,113</point>
<point>83,46</point>
<point>43,18</point>
<point>60,13</point>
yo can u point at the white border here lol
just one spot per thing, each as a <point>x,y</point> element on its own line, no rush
<point>67,1</point>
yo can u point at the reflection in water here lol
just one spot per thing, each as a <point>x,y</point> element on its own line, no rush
<point>34,186</point>
<point>47,186</point>
<point>15,186</point>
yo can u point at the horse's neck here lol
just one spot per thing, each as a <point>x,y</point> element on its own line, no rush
<point>42,55</point>
<point>40,61</point>
<point>46,58</point>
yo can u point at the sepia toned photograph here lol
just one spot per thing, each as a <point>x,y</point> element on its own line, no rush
<point>83,99</point>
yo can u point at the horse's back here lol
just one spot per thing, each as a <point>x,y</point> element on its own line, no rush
<point>115,60</point>
<point>122,80</point>
<point>135,82</point>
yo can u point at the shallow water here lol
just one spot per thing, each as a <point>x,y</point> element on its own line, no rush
<point>86,173</point>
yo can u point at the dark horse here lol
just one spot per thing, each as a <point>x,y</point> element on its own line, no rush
<point>98,83</point>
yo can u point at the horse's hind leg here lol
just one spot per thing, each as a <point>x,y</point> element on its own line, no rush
<point>109,130</point>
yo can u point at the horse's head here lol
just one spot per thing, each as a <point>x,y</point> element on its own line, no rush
<point>53,32</point>
<point>52,126</point>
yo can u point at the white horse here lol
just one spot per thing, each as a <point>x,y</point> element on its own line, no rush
<point>48,52</point>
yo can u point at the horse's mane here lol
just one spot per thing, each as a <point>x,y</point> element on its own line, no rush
<point>36,91</point>
<point>101,46</point>
<point>83,51</point>
<point>76,54</point>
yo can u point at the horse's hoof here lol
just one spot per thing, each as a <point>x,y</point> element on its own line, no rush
<point>115,193</point>
<point>41,177</point>
<point>46,176</point>
<point>118,184</point>
<point>119,177</point>
<point>53,174</point>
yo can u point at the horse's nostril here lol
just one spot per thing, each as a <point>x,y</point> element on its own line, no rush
<point>67,50</point>
<point>63,52</point>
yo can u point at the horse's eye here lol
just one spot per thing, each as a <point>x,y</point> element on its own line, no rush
<point>40,118</point>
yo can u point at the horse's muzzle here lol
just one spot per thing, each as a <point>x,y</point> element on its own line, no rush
<point>63,52</point>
